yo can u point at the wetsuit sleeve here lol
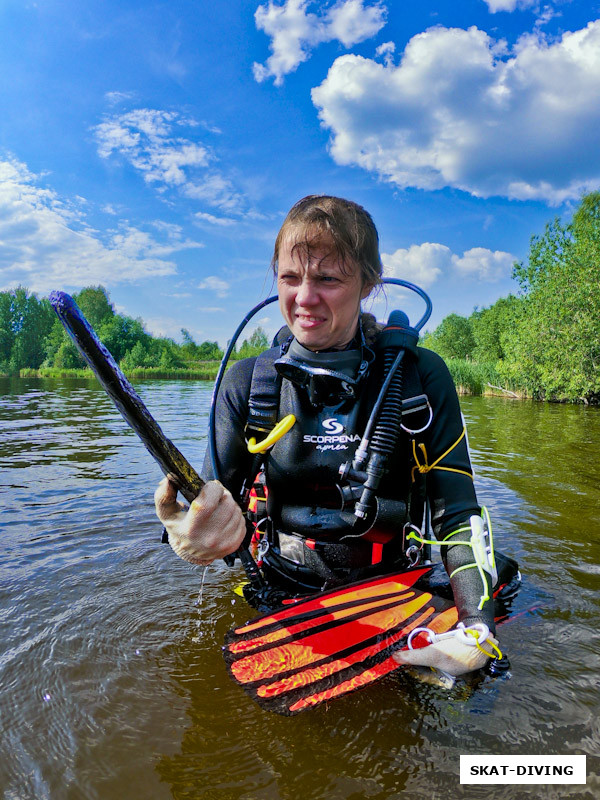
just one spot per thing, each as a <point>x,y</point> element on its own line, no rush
<point>231,414</point>
<point>450,486</point>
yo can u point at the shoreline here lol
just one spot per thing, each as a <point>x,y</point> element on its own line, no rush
<point>477,388</point>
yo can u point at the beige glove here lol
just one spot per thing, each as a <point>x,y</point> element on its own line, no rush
<point>212,527</point>
<point>450,655</point>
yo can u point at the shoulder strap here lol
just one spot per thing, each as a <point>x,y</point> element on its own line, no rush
<point>263,402</point>
<point>416,410</point>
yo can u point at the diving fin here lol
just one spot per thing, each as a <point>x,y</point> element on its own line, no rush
<point>329,644</point>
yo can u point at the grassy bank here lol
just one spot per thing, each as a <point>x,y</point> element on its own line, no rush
<point>206,371</point>
<point>470,378</point>
<point>481,379</point>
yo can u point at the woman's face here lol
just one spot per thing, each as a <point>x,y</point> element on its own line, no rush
<point>319,298</point>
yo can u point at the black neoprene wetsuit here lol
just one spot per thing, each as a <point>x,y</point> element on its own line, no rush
<point>302,468</point>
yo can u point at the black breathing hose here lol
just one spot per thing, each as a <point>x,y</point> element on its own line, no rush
<point>377,446</point>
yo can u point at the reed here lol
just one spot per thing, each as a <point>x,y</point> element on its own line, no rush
<point>201,372</point>
<point>473,378</point>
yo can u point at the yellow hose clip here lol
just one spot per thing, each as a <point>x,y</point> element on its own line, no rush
<point>282,427</point>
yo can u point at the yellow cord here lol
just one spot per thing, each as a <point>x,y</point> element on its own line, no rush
<point>282,427</point>
<point>425,467</point>
<point>494,647</point>
<point>413,535</point>
<point>486,595</point>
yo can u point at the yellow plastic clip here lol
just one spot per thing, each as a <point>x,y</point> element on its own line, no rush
<point>282,427</point>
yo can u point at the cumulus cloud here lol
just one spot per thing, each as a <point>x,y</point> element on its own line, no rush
<point>215,284</point>
<point>148,140</point>
<point>487,265</point>
<point>424,263</point>
<point>45,243</point>
<point>420,263</point>
<point>461,111</point>
<point>295,31</point>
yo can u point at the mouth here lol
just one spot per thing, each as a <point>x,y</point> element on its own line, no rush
<point>309,320</point>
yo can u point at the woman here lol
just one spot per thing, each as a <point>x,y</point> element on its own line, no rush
<point>328,374</point>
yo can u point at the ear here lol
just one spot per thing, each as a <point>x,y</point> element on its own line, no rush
<point>366,290</point>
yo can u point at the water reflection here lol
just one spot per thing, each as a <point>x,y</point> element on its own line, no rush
<point>112,677</point>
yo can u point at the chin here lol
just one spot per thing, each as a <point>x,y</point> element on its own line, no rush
<point>311,342</point>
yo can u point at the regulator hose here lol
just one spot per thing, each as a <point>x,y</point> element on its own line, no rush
<point>383,428</point>
<point>387,428</point>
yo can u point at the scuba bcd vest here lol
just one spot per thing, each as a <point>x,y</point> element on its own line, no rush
<point>316,530</point>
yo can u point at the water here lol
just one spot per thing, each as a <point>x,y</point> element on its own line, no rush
<point>111,675</point>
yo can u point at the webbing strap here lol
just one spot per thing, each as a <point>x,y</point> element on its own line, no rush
<point>263,402</point>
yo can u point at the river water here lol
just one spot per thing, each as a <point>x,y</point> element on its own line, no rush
<point>112,682</point>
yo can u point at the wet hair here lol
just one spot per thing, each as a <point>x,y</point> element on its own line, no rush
<point>348,225</point>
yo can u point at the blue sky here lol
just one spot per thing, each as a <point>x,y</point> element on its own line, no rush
<point>155,147</point>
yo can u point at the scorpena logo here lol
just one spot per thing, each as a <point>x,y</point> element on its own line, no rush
<point>332,426</point>
<point>334,438</point>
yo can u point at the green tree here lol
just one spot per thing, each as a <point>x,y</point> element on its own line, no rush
<point>95,305</point>
<point>453,338</point>
<point>491,326</point>
<point>119,334</point>
<point>254,345</point>
<point>189,348</point>
<point>25,322</point>
<point>7,335</point>
<point>556,344</point>
<point>67,356</point>
<point>138,356</point>
<point>170,355</point>
<point>209,351</point>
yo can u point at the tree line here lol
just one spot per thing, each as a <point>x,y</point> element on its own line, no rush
<point>542,342</point>
<point>33,338</point>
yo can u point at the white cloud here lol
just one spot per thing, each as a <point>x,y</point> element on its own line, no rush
<point>350,22</point>
<point>508,5</point>
<point>420,263</point>
<point>114,98</point>
<point>45,244</point>
<point>544,13</point>
<point>424,263</point>
<point>212,220</point>
<point>486,265</point>
<point>460,111</point>
<point>387,50</point>
<point>164,327</point>
<point>147,139</point>
<point>215,284</point>
<point>216,190</point>
<point>295,31</point>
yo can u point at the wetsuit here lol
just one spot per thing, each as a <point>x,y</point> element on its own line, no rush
<point>307,533</point>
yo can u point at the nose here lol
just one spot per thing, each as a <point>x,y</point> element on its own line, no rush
<point>307,294</point>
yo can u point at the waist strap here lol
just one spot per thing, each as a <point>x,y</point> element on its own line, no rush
<point>325,557</point>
